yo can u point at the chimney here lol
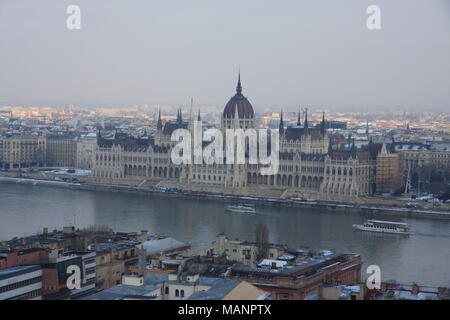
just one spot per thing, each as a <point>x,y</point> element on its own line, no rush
<point>142,260</point>
<point>68,230</point>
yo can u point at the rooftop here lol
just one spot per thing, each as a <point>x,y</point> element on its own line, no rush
<point>17,270</point>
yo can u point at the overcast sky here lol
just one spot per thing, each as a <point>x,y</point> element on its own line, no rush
<point>292,53</point>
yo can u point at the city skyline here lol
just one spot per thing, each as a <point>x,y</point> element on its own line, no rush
<point>195,51</point>
<point>229,152</point>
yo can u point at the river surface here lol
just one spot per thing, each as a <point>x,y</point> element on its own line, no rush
<point>422,257</point>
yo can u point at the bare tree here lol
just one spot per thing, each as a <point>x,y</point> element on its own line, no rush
<point>91,234</point>
<point>262,241</point>
<point>97,229</point>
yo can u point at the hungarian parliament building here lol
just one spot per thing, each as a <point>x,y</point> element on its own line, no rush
<point>309,167</point>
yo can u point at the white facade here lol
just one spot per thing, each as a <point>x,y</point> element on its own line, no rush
<point>21,283</point>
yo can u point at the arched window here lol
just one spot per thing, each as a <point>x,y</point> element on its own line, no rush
<point>177,293</point>
<point>182,293</point>
<point>167,290</point>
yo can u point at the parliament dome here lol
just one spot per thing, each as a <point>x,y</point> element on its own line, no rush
<point>239,103</point>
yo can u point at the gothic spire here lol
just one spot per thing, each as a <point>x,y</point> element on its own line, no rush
<point>299,122</point>
<point>180,117</point>
<point>159,125</point>
<point>305,125</point>
<point>281,126</point>
<point>239,86</point>
<point>408,128</point>
<point>99,136</point>
<point>323,126</point>
<point>191,112</point>
<point>353,149</point>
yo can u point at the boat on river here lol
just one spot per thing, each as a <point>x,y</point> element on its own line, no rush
<point>383,226</point>
<point>241,208</point>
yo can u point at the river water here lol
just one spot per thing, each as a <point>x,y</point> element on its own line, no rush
<point>422,257</point>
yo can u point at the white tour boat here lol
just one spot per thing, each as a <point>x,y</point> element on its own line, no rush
<point>383,226</point>
<point>242,208</point>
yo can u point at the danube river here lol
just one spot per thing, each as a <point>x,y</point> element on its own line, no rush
<point>422,257</point>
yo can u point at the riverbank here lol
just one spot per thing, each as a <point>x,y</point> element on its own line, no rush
<point>275,202</point>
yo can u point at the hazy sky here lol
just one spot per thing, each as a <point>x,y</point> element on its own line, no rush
<point>313,53</point>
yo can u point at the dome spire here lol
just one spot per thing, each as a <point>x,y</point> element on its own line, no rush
<point>238,103</point>
<point>239,86</point>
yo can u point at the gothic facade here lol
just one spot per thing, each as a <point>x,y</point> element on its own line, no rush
<point>308,165</point>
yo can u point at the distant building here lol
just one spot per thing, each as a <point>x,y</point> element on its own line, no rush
<point>243,252</point>
<point>165,246</point>
<point>21,283</point>
<point>22,151</point>
<point>56,275</point>
<point>85,151</point>
<point>334,125</point>
<point>113,260</point>
<point>109,271</point>
<point>61,151</point>
<point>302,281</point>
<point>182,286</point>
<point>12,258</point>
<point>341,292</point>
<point>101,264</point>
<point>417,155</point>
<point>389,171</point>
<point>395,291</point>
<point>307,163</point>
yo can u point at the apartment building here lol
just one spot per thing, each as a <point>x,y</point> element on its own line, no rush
<point>21,283</point>
<point>22,151</point>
